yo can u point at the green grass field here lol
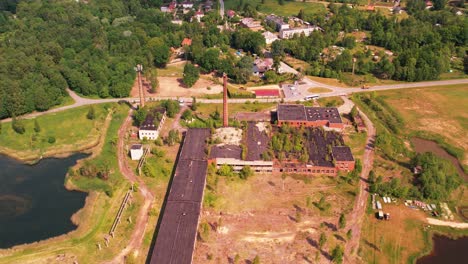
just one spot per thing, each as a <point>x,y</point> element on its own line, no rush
<point>71,129</point>
<point>272,6</point>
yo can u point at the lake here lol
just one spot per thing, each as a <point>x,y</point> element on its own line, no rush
<point>34,204</point>
<point>423,145</point>
<point>447,250</point>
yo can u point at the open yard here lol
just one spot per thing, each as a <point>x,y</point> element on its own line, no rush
<point>71,129</point>
<point>284,230</point>
<point>288,9</point>
<point>387,241</point>
<point>437,110</point>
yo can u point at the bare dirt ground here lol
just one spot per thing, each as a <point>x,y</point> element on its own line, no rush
<point>284,230</point>
<point>173,86</point>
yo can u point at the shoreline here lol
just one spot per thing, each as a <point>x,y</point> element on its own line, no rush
<point>429,234</point>
<point>91,196</point>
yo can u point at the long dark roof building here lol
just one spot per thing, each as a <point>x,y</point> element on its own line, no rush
<point>319,142</point>
<point>177,232</point>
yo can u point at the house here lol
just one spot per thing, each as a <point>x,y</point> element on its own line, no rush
<point>266,93</point>
<point>154,120</point>
<point>169,8</point>
<point>297,115</point>
<point>136,151</point>
<point>187,5</point>
<point>269,37</point>
<point>261,66</point>
<point>306,30</point>
<point>231,13</point>
<point>250,23</point>
<point>208,6</point>
<point>186,42</point>
<point>277,21</point>
<point>429,5</point>
<point>199,15</point>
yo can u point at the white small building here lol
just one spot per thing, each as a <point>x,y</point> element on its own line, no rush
<point>187,5</point>
<point>136,151</point>
<point>150,128</point>
<point>289,33</point>
<point>269,37</point>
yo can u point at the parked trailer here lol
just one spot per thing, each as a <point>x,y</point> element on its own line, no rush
<point>379,205</point>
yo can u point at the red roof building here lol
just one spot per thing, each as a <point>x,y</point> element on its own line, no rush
<point>267,93</point>
<point>231,13</point>
<point>186,42</point>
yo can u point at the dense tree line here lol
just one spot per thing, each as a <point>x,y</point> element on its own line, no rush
<point>423,44</point>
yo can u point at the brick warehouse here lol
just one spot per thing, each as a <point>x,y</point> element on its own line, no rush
<point>297,115</point>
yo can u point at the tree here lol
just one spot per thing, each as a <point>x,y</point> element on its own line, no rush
<point>140,116</point>
<point>342,221</point>
<point>349,234</point>
<point>414,6</point>
<point>354,112</point>
<point>37,128</point>
<point>271,77</point>
<point>337,254</point>
<point>245,172</point>
<point>322,240</point>
<point>18,126</point>
<point>187,115</point>
<point>172,107</point>
<point>191,74</point>
<point>91,114</point>
<point>439,4</point>
<point>173,137</point>
<point>465,63</point>
<point>160,51</point>
<point>194,105</point>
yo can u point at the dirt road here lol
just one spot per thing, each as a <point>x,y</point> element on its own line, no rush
<point>356,217</point>
<point>438,222</point>
<point>142,218</point>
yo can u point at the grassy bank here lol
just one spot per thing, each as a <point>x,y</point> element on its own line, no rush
<point>71,130</point>
<point>95,219</point>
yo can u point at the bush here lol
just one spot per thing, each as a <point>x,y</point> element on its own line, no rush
<point>18,126</point>
<point>91,115</point>
<point>51,140</point>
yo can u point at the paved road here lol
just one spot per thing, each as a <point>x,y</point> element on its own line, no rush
<point>356,217</point>
<point>336,91</point>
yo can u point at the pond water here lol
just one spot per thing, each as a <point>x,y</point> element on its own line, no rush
<point>423,145</point>
<point>447,250</point>
<point>34,204</point>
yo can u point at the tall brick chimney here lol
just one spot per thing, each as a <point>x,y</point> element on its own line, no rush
<point>139,69</point>
<point>225,102</point>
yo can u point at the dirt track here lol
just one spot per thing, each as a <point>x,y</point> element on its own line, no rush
<point>357,215</point>
<point>142,219</point>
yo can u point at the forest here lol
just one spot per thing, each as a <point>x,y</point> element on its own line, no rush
<point>424,43</point>
<point>92,47</point>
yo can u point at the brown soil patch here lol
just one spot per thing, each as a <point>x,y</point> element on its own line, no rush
<point>173,86</point>
<point>257,217</point>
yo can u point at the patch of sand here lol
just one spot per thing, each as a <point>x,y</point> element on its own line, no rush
<point>229,135</point>
<point>438,222</point>
<point>173,86</point>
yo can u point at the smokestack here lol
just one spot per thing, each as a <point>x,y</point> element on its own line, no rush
<point>225,102</point>
<point>139,69</point>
